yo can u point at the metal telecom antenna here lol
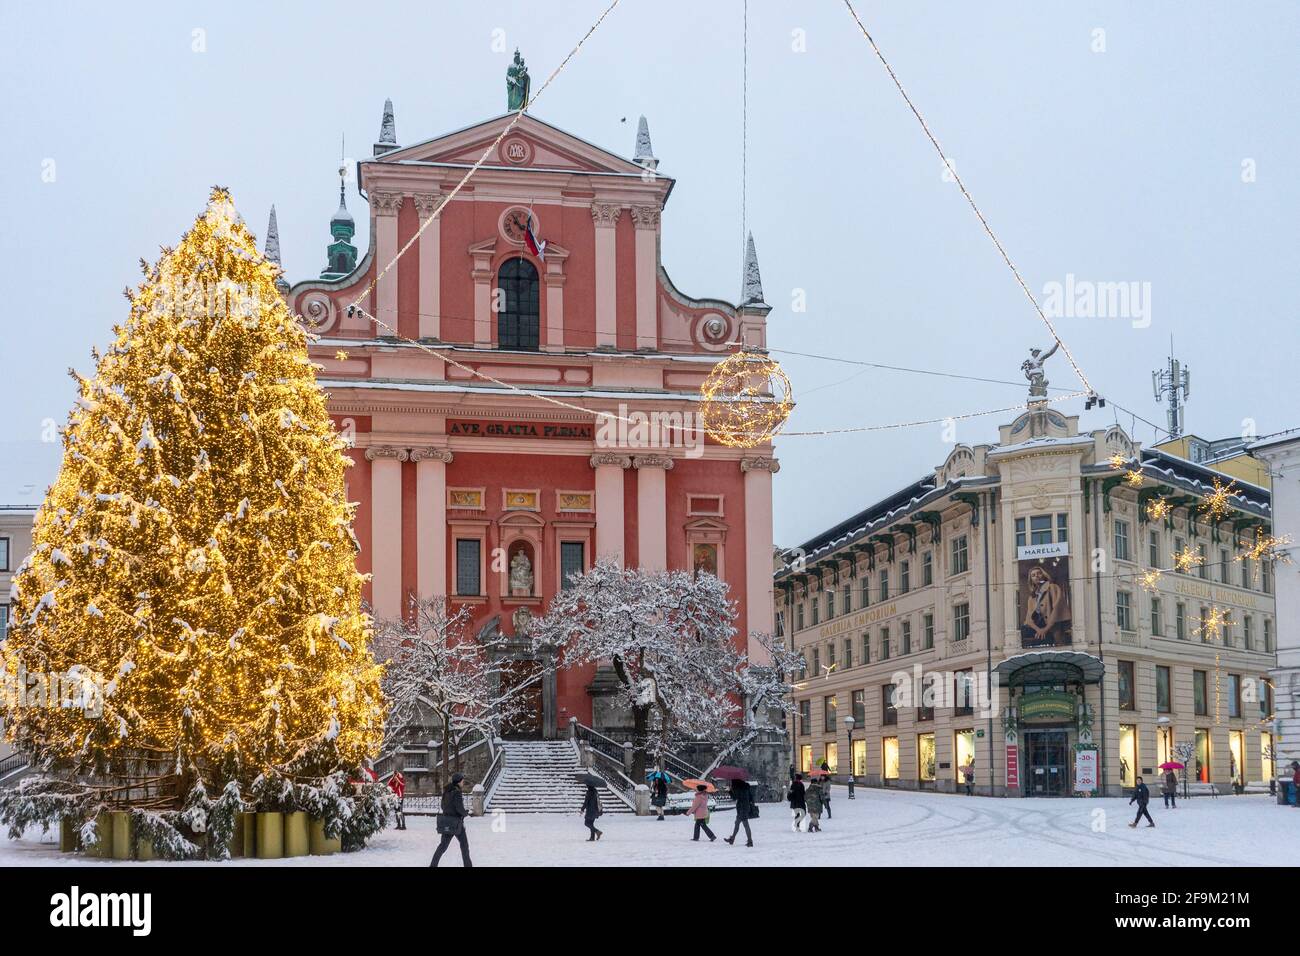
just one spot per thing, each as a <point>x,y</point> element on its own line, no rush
<point>1171,381</point>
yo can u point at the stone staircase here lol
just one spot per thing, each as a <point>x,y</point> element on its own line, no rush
<point>541,776</point>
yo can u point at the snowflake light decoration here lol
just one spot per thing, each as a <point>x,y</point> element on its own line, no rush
<point>1267,548</point>
<point>1215,505</point>
<point>1212,625</point>
<point>1187,559</point>
<point>1158,509</point>
<point>746,400</point>
<point>1150,580</point>
<point>1133,478</point>
<point>1118,461</point>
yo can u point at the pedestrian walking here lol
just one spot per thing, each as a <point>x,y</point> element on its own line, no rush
<point>826,796</point>
<point>591,809</point>
<point>798,801</point>
<point>853,781</point>
<point>968,775</point>
<point>660,796</point>
<point>1295,783</point>
<point>451,821</point>
<point>1142,795</point>
<point>815,804</point>
<point>743,794</point>
<point>1170,790</point>
<point>397,784</point>
<point>700,812</point>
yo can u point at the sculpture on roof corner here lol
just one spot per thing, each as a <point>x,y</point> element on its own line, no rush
<point>517,84</point>
<point>1033,369</point>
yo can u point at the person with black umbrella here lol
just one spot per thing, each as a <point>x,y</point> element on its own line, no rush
<point>451,821</point>
<point>743,794</point>
<point>591,809</point>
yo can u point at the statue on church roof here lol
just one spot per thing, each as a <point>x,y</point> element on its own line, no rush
<point>517,84</point>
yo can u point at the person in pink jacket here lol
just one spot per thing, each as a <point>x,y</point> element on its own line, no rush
<point>700,811</point>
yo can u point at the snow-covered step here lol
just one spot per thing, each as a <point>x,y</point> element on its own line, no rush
<point>540,777</point>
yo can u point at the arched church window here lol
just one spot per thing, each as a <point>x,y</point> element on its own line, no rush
<point>517,321</point>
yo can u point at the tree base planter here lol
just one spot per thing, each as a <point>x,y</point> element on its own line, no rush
<point>123,834</point>
<point>69,838</point>
<point>296,840</point>
<point>243,841</point>
<point>144,849</point>
<point>270,836</point>
<point>321,845</point>
<point>102,848</point>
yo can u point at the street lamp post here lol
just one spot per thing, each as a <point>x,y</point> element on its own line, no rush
<point>849,722</point>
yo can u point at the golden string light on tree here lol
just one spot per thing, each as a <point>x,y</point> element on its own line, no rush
<point>196,554</point>
<point>746,400</point>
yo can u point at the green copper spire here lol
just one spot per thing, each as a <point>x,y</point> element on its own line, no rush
<point>341,254</point>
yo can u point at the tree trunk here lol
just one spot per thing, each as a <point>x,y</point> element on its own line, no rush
<point>640,722</point>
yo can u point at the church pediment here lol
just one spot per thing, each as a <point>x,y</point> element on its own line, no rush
<point>531,144</point>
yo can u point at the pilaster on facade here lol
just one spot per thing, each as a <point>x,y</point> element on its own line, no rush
<point>386,528</point>
<point>430,262</point>
<point>385,205</point>
<point>645,220</point>
<point>609,468</point>
<point>605,217</point>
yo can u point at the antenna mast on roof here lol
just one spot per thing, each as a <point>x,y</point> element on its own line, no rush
<point>1171,381</point>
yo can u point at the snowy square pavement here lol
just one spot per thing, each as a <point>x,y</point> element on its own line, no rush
<point>880,827</point>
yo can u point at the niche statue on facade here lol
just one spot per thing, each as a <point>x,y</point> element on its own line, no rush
<point>521,575</point>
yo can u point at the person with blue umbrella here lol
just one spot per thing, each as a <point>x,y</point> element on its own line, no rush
<point>658,790</point>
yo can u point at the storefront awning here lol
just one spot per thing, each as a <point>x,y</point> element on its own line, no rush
<point>1050,667</point>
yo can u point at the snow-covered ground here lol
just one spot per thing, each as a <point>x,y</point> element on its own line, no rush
<point>878,828</point>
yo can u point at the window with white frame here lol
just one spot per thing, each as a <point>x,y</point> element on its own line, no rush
<point>905,577</point>
<point>960,621</point>
<point>1124,610</point>
<point>469,553</point>
<point>1122,552</point>
<point>960,555</point>
<point>927,569</point>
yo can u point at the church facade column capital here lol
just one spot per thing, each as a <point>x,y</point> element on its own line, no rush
<point>605,214</point>
<point>760,464</point>
<point>386,453</point>
<point>610,458</point>
<point>653,461</point>
<point>443,455</point>
<point>386,203</point>
<point>426,203</point>
<point>645,217</point>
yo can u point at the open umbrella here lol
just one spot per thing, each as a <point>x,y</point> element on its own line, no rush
<point>658,775</point>
<point>817,772</point>
<point>590,780</point>
<point>1172,765</point>
<point>693,784</point>
<point>730,773</point>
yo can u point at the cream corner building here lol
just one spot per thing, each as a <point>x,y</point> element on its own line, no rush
<point>1002,595</point>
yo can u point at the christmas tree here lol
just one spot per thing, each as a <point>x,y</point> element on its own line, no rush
<point>192,577</point>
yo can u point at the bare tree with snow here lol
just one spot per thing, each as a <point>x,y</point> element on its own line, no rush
<point>434,665</point>
<point>668,635</point>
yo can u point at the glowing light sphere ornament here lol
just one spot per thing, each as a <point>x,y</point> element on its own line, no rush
<point>746,400</point>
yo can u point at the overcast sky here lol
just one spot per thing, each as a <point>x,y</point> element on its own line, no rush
<point>1155,143</point>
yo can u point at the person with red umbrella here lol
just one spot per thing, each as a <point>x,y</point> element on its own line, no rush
<point>1169,785</point>
<point>397,784</point>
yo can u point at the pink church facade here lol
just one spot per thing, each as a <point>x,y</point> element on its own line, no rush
<point>456,473</point>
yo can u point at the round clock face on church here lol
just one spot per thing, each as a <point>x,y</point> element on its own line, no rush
<point>514,221</point>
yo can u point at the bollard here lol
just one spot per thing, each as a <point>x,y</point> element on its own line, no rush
<point>476,797</point>
<point>641,797</point>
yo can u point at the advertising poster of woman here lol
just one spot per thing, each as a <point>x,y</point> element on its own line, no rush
<point>1045,602</point>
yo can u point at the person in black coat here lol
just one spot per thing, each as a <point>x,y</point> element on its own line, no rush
<point>1143,796</point>
<point>798,802</point>
<point>743,794</point>
<point>453,808</point>
<point>591,810</point>
<point>660,797</point>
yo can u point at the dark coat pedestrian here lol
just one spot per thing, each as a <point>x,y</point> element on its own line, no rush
<point>743,794</point>
<point>591,809</point>
<point>815,803</point>
<point>660,796</point>
<point>798,800</point>
<point>1142,796</point>
<point>451,821</point>
<point>1169,789</point>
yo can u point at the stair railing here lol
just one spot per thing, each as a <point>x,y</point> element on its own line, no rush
<point>13,763</point>
<point>493,776</point>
